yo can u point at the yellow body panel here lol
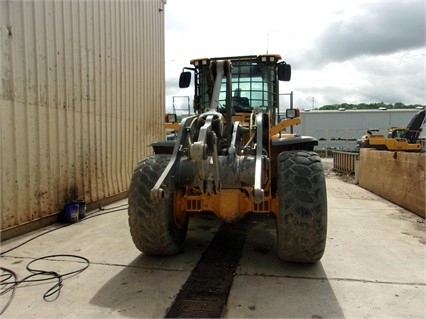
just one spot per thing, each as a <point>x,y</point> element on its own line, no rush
<point>172,126</point>
<point>393,144</point>
<point>283,124</point>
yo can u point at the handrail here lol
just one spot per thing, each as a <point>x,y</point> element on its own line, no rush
<point>345,161</point>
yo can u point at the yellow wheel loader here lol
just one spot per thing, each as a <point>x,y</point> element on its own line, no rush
<point>231,158</point>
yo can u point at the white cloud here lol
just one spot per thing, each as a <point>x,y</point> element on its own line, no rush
<point>340,51</point>
<point>378,29</point>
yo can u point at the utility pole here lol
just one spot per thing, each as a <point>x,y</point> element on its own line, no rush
<point>313,102</point>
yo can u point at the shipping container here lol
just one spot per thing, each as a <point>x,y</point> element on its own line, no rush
<point>82,97</point>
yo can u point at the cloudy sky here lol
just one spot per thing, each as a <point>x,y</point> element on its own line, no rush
<point>340,51</point>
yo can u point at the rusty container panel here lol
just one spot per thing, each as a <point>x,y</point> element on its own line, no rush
<point>82,97</point>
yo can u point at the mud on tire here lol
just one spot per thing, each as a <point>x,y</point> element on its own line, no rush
<point>302,213</point>
<point>152,226</point>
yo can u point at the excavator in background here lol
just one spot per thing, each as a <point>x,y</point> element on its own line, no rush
<point>398,139</point>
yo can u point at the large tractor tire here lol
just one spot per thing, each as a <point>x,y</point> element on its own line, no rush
<point>152,226</point>
<point>302,212</point>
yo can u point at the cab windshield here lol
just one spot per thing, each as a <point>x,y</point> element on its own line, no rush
<point>254,86</point>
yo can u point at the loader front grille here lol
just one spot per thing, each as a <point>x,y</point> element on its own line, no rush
<point>193,205</point>
<point>262,207</point>
<point>227,208</point>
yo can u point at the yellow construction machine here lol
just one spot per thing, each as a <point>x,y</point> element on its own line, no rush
<point>231,158</point>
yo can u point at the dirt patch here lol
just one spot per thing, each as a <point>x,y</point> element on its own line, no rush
<point>345,177</point>
<point>206,291</point>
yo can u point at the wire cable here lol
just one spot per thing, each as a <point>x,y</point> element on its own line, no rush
<point>104,212</point>
<point>54,291</point>
<point>3,282</point>
<point>32,238</point>
<point>7,285</point>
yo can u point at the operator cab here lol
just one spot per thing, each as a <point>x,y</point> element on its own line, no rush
<point>255,83</point>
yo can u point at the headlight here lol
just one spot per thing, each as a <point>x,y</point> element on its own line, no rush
<point>171,118</point>
<point>292,113</point>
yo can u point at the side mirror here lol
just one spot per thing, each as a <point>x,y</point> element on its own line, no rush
<point>184,79</point>
<point>284,72</point>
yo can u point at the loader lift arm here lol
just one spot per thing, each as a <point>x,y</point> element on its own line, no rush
<point>198,141</point>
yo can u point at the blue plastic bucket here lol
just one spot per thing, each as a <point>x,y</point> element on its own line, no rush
<point>70,213</point>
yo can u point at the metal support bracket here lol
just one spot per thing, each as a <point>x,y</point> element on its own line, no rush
<point>258,194</point>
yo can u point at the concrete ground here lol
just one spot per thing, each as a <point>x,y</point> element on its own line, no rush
<point>374,266</point>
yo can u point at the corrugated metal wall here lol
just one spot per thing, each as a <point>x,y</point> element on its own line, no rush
<point>82,95</point>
